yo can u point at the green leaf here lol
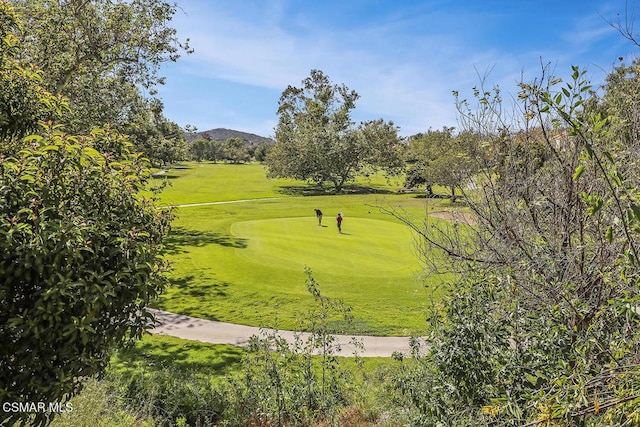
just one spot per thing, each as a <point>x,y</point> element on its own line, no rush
<point>558,98</point>
<point>578,172</point>
<point>576,72</point>
<point>609,234</point>
<point>33,138</point>
<point>609,156</point>
<point>616,178</point>
<point>589,148</point>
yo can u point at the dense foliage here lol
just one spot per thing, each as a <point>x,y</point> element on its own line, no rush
<point>81,245</point>
<point>81,261</point>
<point>23,100</point>
<point>542,327</point>
<point>234,150</point>
<point>97,53</point>
<point>104,56</point>
<point>438,157</point>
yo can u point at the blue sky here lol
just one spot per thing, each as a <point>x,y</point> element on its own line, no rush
<point>404,57</point>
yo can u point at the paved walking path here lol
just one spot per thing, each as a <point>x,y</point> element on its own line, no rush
<point>224,202</point>
<point>192,328</point>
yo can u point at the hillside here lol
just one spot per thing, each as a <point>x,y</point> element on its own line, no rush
<point>222,134</point>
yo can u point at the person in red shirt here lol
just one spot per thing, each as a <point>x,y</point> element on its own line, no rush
<point>339,221</point>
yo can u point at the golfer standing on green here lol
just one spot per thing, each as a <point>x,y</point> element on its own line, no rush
<point>319,216</point>
<point>339,221</point>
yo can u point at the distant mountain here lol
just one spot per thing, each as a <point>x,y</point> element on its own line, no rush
<point>221,134</point>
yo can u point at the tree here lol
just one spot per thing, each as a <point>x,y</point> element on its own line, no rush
<point>199,148</point>
<point>441,158</point>
<point>215,151</point>
<point>261,151</point>
<point>23,100</point>
<point>100,54</point>
<point>543,325</point>
<point>235,150</point>
<point>159,139</point>
<point>317,141</point>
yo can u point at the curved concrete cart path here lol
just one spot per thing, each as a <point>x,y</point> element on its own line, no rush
<point>192,328</point>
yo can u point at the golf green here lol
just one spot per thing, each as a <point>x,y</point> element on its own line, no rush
<point>367,247</point>
<point>243,261</point>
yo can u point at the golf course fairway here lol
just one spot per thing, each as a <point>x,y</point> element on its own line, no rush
<point>242,256</point>
<point>367,247</point>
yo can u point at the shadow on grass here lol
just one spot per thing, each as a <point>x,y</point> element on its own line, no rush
<point>206,287</point>
<point>180,238</point>
<point>180,167</point>
<point>315,190</point>
<point>162,352</point>
<point>423,195</point>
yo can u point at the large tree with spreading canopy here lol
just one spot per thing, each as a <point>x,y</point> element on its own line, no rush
<point>104,56</point>
<point>317,141</point>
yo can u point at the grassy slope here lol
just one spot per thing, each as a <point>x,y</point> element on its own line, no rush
<point>243,262</point>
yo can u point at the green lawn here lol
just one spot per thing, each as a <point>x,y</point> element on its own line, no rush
<point>244,262</point>
<point>194,182</point>
<point>155,352</point>
<point>367,247</point>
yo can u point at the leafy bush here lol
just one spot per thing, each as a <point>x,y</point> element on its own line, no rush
<point>81,260</point>
<point>276,382</point>
<point>170,396</point>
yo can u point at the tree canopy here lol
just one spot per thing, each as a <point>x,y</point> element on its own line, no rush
<point>24,102</point>
<point>104,57</point>
<point>235,150</point>
<point>98,53</point>
<point>439,157</point>
<point>317,141</point>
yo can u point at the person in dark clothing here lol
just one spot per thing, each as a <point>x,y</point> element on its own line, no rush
<point>319,216</point>
<point>339,221</point>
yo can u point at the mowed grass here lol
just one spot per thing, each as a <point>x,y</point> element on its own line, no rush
<point>193,182</point>
<point>370,247</point>
<point>244,262</point>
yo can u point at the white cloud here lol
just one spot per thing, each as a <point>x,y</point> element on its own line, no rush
<point>406,76</point>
